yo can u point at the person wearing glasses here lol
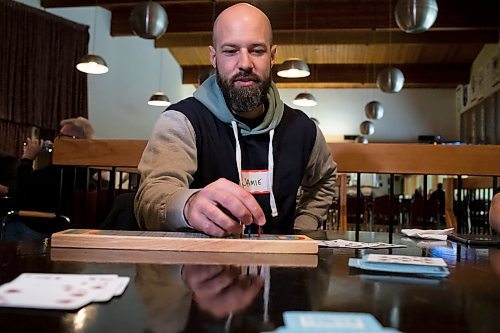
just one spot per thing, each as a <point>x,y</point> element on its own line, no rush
<point>234,154</point>
<point>38,189</point>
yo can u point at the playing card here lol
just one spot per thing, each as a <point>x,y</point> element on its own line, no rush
<point>102,286</point>
<point>406,260</point>
<point>48,295</point>
<point>341,243</point>
<point>432,267</point>
<point>329,322</point>
<point>122,283</point>
<point>60,291</point>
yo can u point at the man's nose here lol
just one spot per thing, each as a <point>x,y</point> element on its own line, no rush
<point>245,61</point>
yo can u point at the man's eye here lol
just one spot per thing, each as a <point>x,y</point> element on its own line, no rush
<point>258,52</point>
<point>229,51</point>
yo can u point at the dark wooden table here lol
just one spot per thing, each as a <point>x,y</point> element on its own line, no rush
<point>196,292</point>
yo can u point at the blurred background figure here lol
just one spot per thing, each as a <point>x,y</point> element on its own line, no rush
<point>39,188</point>
<point>438,195</point>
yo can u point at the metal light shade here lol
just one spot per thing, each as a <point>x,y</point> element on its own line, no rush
<point>92,64</point>
<point>159,99</point>
<point>374,110</point>
<point>367,128</point>
<point>362,139</point>
<point>305,99</point>
<point>294,68</point>
<point>148,20</point>
<point>415,16</point>
<point>390,80</point>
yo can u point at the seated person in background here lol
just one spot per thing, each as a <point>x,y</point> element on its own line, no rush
<point>39,189</point>
<point>8,166</point>
<point>234,154</point>
<point>494,215</point>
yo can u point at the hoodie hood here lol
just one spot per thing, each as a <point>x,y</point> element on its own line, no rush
<point>210,95</point>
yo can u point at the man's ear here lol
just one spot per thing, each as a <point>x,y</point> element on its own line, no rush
<point>213,56</point>
<point>273,54</point>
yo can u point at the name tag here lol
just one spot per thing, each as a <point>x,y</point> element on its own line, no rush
<point>255,181</point>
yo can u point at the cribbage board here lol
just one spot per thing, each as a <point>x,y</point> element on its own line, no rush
<point>181,241</point>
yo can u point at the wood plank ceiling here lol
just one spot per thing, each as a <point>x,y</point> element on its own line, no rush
<point>345,42</point>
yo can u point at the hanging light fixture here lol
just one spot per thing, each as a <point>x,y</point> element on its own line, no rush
<point>374,110</point>
<point>93,63</point>
<point>415,16</point>
<point>390,80</point>
<point>148,20</point>
<point>367,128</point>
<point>361,139</point>
<point>294,68</point>
<point>305,99</point>
<point>159,98</point>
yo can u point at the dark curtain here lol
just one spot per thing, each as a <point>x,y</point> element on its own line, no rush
<point>39,84</point>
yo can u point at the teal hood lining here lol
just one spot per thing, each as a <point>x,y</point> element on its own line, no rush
<point>210,95</point>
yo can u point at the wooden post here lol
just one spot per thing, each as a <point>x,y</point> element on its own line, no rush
<point>342,181</point>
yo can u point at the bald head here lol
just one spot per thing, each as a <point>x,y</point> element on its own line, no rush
<point>242,55</point>
<point>242,16</point>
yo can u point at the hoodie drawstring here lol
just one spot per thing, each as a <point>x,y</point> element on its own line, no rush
<point>270,167</point>
<point>238,150</point>
<point>270,172</point>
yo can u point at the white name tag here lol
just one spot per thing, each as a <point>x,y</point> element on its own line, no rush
<point>255,181</point>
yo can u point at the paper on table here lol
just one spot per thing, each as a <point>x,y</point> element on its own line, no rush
<point>341,243</point>
<point>427,234</point>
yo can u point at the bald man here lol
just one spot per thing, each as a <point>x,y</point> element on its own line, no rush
<point>234,155</point>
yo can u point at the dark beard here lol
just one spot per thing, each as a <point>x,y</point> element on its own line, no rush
<point>244,99</point>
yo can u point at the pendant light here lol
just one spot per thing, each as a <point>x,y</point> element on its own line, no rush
<point>390,79</point>
<point>148,20</point>
<point>305,99</point>
<point>159,98</point>
<point>415,16</point>
<point>367,128</point>
<point>374,110</point>
<point>294,67</point>
<point>361,139</point>
<point>93,63</point>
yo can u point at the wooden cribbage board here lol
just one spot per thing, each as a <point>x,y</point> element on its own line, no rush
<point>183,257</point>
<point>181,241</point>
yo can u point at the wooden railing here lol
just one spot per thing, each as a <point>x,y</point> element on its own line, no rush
<point>415,159</point>
<point>405,159</point>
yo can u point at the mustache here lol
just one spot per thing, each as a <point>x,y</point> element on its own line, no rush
<point>245,76</point>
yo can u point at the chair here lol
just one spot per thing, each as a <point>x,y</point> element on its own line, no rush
<point>353,207</point>
<point>23,225</point>
<point>382,211</point>
<point>121,215</point>
<point>478,216</point>
<point>421,219</point>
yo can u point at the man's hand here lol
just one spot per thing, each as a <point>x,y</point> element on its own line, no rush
<point>221,290</point>
<point>33,148</point>
<point>220,207</point>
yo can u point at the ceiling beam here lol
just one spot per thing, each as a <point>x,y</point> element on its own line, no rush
<point>327,75</point>
<point>192,15</point>
<point>366,37</point>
